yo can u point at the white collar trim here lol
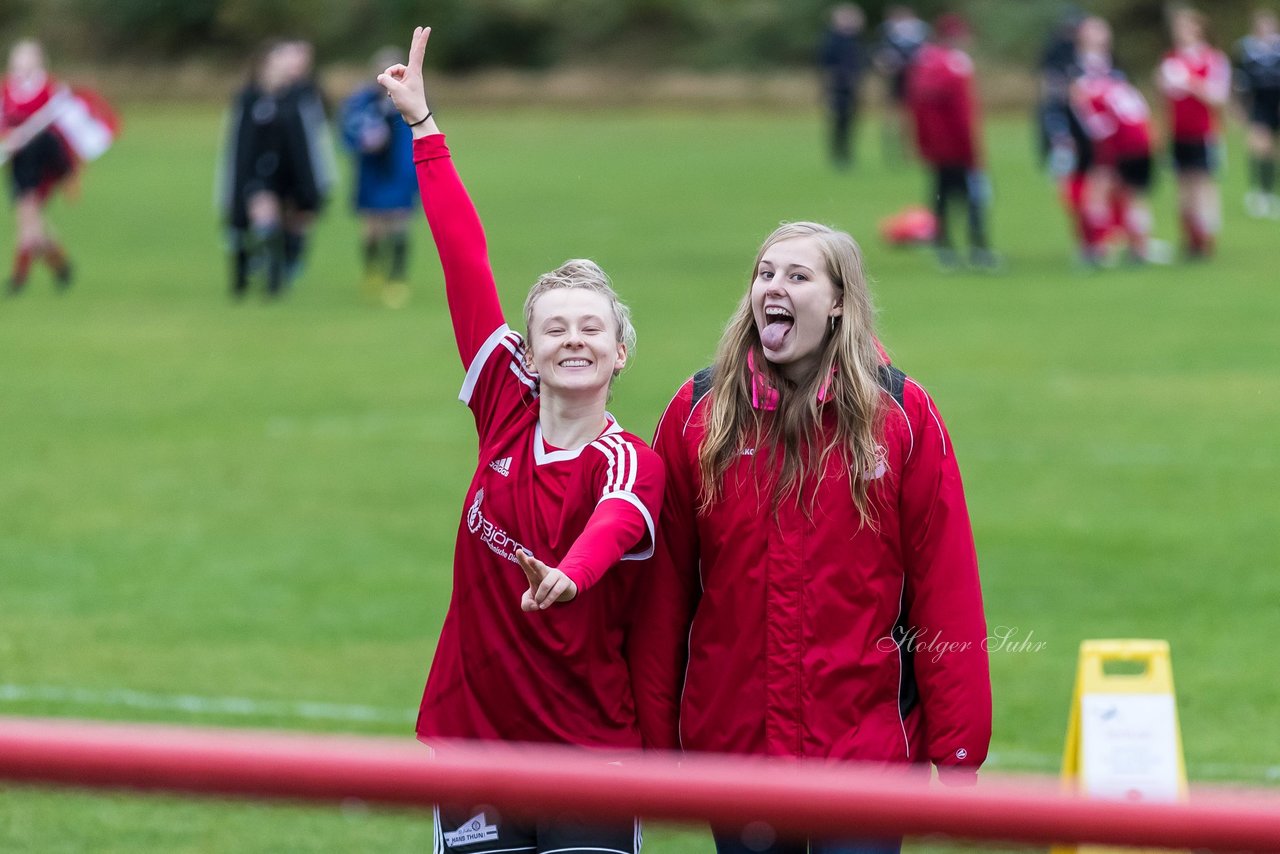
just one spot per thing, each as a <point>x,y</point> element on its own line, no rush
<point>541,455</point>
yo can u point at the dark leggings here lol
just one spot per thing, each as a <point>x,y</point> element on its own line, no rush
<point>955,181</point>
<point>844,115</point>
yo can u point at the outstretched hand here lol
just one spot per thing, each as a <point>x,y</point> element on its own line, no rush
<point>404,82</point>
<point>547,585</point>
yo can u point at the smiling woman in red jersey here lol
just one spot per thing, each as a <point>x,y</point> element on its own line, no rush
<point>815,589</point>
<point>532,646</point>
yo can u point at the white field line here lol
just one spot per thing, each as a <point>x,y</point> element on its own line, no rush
<point>127,698</point>
<point>1003,760</point>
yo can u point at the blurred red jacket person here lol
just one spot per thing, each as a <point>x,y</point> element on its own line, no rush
<point>940,95</point>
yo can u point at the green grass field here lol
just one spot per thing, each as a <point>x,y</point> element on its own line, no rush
<point>202,501</point>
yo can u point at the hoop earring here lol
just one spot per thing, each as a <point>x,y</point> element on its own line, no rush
<point>834,318</point>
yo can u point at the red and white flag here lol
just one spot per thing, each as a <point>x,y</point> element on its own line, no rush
<point>86,121</point>
<point>81,118</point>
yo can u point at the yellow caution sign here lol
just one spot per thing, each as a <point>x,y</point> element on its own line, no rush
<point>1123,741</point>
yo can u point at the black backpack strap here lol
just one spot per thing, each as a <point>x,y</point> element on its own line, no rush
<point>893,381</point>
<point>701,385</point>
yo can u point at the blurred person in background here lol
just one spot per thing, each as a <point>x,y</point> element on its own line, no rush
<point>1117,120</point>
<point>843,59</point>
<point>1057,132</point>
<point>277,167</point>
<point>1065,150</point>
<point>386,189</point>
<point>1195,78</point>
<point>532,645</point>
<point>39,161</point>
<point>902,34</point>
<point>813,536</point>
<point>942,97</point>
<point>1257,76</point>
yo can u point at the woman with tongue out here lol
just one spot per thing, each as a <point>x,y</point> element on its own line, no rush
<point>532,645</point>
<point>815,589</point>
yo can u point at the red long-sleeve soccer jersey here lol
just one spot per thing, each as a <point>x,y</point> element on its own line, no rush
<point>1196,81</point>
<point>1114,114</point>
<point>794,631</point>
<point>944,107</point>
<point>557,675</point>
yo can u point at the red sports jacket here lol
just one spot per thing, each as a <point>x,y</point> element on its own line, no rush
<point>941,97</point>
<point>761,630</point>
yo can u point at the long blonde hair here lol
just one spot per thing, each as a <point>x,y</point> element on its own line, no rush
<point>848,366</point>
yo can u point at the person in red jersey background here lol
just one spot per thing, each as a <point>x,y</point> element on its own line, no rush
<point>815,591</point>
<point>1118,122</point>
<point>1195,78</point>
<point>944,106</point>
<point>532,646</point>
<point>39,161</point>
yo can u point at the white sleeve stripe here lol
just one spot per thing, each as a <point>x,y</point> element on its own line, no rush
<point>942,434</point>
<point>533,385</point>
<point>934,413</point>
<point>515,345</point>
<point>615,467</point>
<point>478,362</point>
<point>634,500</point>
<point>621,482</point>
<point>694,409</point>
<point>615,464</point>
<point>663,419</point>
<point>911,436</point>
<point>628,463</point>
<point>634,459</point>
<point>633,463</point>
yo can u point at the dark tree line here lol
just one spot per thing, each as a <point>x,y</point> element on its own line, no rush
<point>473,34</point>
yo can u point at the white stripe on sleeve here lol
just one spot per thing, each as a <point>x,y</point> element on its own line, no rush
<point>477,364</point>
<point>627,460</point>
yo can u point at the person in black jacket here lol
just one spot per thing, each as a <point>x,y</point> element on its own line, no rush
<point>842,60</point>
<point>1257,81</point>
<point>277,167</point>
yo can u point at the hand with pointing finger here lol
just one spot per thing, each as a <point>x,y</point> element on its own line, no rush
<point>547,585</point>
<point>404,84</point>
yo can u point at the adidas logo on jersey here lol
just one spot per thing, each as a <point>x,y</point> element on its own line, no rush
<point>502,466</point>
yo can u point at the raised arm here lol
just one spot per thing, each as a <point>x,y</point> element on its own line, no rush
<point>455,225</point>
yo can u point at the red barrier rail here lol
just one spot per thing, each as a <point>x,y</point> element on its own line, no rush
<point>793,797</point>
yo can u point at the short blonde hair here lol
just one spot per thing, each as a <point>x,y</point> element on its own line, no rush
<point>585,274</point>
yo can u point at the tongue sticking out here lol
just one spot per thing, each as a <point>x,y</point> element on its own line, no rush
<point>773,335</point>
